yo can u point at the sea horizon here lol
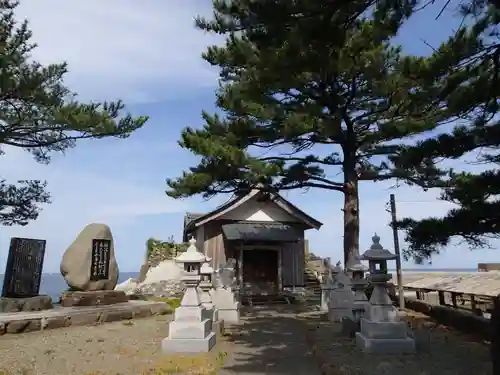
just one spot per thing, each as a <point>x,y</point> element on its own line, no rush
<point>53,284</point>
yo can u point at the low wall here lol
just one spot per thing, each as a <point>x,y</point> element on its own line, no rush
<point>461,320</point>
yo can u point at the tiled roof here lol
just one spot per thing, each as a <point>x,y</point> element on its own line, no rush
<point>190,216</point>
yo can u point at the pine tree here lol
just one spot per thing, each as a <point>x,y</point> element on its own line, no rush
<point>470,91</point>
<point>310,90</point>
<point>40,115</point>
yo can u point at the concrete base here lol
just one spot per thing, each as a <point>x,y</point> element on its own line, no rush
<point>93,298</point>
<point>204,345</point>
<point>229,316</point>
<point>384,330</point>
<point>60,317</point>
<point>187,330</point>
<point>385,346</point>
<point>37,303</point>
<point>337,314</point>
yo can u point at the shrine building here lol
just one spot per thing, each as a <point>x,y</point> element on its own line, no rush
<point>263,232</point>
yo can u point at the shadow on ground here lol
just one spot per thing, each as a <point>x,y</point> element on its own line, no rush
<point>270,340</point>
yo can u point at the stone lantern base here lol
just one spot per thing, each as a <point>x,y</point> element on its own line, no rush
<point>228,308</point>
<point>190,332</point>
<point>384,338</point>
<point>383,333</point>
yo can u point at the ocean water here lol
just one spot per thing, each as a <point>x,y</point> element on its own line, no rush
<point>53,284</point>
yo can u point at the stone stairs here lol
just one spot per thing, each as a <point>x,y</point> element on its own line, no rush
<point>311,294</point>
<point>312,288</point>
<point>260,300</point>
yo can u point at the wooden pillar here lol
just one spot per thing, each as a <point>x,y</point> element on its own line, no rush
<point>240,270</point>
<point>473,306</point>
<point>280,269</point>
<point>442,301</point>
<point>417,293</point>
<point>454,299</point>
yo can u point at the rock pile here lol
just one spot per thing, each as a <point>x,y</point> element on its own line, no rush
<point>164,280</point>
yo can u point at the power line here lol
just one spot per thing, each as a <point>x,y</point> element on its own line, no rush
<point>434,201</point>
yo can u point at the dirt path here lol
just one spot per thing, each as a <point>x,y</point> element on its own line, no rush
<point>270,342</point>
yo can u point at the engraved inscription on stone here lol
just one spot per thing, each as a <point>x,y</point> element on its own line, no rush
<point>99,265</point>
<point>23,271</point>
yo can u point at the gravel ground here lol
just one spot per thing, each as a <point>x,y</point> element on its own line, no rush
<point>440,351</point>
<point>127,347</point>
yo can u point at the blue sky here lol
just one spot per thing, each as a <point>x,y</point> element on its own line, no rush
<point>148,54</point>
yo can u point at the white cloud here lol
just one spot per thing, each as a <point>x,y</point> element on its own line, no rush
<point>133,50</point>
<point>81,197</point>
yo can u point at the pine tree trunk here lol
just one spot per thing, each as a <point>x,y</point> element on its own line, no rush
<point>351,215</point>
<point>495,336</point>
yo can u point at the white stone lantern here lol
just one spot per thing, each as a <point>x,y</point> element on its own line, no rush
<point>190,331</point>
<point>206,270</point>
<point>206,290</point>
<point>192,260</point>
<point>359,284</point>
<point>381,329</point>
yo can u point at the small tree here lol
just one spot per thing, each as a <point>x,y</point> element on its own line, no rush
<point>41,115</point>
<point>314,95</point>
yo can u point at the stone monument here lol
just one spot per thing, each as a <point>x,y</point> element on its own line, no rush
<point>90,269</point>
<point>224,297</point>
<point>351,325</point>
<point>190,331</point>
<point>22,277</point>
<point>327,284</point>
<point>381,329</point>
<point>206,291</point>
<point>341,297</point>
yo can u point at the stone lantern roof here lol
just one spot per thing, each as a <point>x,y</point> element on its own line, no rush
<point>206,269</point>
<point>357,266</point>
<point>191,255</point>
<point>376,252</point>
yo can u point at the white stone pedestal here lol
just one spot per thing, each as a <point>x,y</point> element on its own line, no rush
<point>228,307</point>
<point>340,305</point>
<point>191,331</point>
<point>205,293</point>
<point>341,299</point>
<point>325,297</point>
<point>382,332</point>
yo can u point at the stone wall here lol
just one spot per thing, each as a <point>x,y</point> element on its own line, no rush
<point>462,320</point>
<point>84,316</point>
<point>157,251</point>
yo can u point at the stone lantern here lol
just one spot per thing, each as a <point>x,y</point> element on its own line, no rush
<point>206,290</point>
<point>206,270</point>
<point>341,297</point>
<point>381,329</point>
<point>359,284</point>
<point>190,331</point>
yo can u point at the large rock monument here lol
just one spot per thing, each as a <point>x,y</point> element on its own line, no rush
<point>89,265</point>
<point>90,269</point>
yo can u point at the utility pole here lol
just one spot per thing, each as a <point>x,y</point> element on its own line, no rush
<point>399,273</point>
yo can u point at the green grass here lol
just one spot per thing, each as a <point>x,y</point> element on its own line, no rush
<point>171,301</point>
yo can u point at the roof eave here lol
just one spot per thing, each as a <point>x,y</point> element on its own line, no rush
<point>311,222</point>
